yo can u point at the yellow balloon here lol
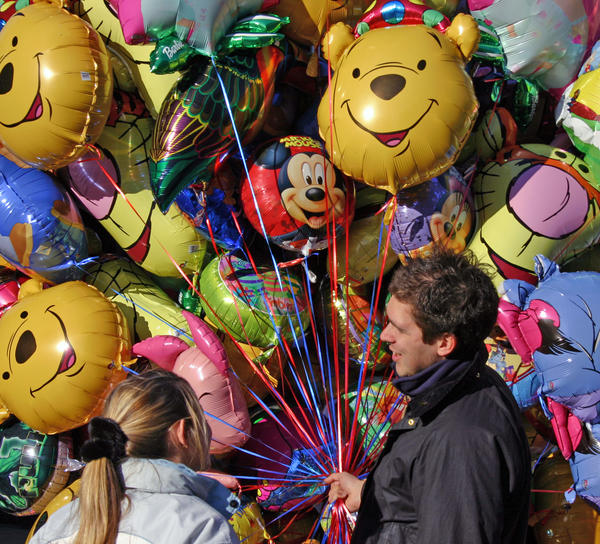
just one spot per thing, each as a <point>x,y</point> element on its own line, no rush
<point>148,310</point>
<point>400,105</point>
<point>367,237</point>
<point>56,86</point>
<point>533,199</point>
<point>151,239</point>
<point>153,88</point>
<point>248,524</point>
<point>62,498</point>
<point>65,347</point>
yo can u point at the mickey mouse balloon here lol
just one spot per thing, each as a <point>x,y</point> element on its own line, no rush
<point>295,192</point>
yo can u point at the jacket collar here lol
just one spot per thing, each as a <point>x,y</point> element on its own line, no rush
<point>432,385</point>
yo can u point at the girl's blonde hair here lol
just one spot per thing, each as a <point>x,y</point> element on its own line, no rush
<point>145,407</point>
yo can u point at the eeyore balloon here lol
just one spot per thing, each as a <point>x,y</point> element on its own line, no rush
<point>557,325</point>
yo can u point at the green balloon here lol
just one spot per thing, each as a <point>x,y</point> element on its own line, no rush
<point>27,461</point>
<point>251,307</point>
<point>170,55</point>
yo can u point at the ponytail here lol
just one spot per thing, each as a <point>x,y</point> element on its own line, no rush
<point>99,503</point>
<point>102,484</point>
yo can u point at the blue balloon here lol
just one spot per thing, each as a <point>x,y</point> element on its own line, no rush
<point>41,231</point>
<point>585,468</point>
<point>558,323</point>
<point>203,208</point>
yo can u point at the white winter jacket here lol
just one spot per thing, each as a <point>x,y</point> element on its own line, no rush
<point>169,503</point>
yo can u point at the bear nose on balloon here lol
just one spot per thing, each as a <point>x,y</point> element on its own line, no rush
<point>315,194</point>
<point>6,78</point>
<point>388,86</point>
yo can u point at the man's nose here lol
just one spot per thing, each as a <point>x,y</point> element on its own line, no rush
<point>384,336</point>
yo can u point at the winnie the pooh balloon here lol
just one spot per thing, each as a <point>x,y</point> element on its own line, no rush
<point>64,350</point>
<point>55,86</point>
<point>400,104</point>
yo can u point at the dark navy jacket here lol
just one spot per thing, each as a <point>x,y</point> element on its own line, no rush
<point>454,470</point>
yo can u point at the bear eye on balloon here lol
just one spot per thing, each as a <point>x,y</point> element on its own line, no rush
<point>23,315</point>
<point>421,64</point>
<point>356,73</point>
<point>26,347</point>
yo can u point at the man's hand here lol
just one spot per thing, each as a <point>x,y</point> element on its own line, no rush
<point>347,487</point>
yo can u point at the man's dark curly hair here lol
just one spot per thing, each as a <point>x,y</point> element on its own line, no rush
<point>448,292</point>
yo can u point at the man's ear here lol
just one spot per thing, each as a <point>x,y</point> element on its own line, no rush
<point>446,344</point>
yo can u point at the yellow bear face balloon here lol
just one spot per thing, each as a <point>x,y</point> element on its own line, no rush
<point>400,104</point>
<point>55,85</point>
<point>63,351</point>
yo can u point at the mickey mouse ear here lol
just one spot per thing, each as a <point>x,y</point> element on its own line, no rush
<point>384,13</point>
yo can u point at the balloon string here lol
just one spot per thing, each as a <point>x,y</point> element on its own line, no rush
<point>362,374</point>
<point>193,287</point>
<point>250,182</point>
<point>334,293</point>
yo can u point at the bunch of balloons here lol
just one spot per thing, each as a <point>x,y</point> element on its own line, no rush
<point>223,189</point>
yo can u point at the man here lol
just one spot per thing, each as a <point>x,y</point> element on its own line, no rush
<point>456,468</point>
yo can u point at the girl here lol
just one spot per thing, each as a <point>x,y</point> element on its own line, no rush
<point>139,484</point>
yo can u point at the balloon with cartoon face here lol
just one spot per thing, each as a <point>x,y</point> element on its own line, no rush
<point>113,184</point>
<point>55,86</point>
<point>41,231</point>
<point>400,105</point>
<point>533,199</point>
<point>65,347</point>
<point>436,212</point>
<point>295,192</point>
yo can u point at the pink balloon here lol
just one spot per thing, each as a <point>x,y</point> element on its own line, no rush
<point>592,9</point>
<point>207,370</point>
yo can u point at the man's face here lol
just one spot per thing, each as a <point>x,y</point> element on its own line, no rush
<point>409,352</point>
